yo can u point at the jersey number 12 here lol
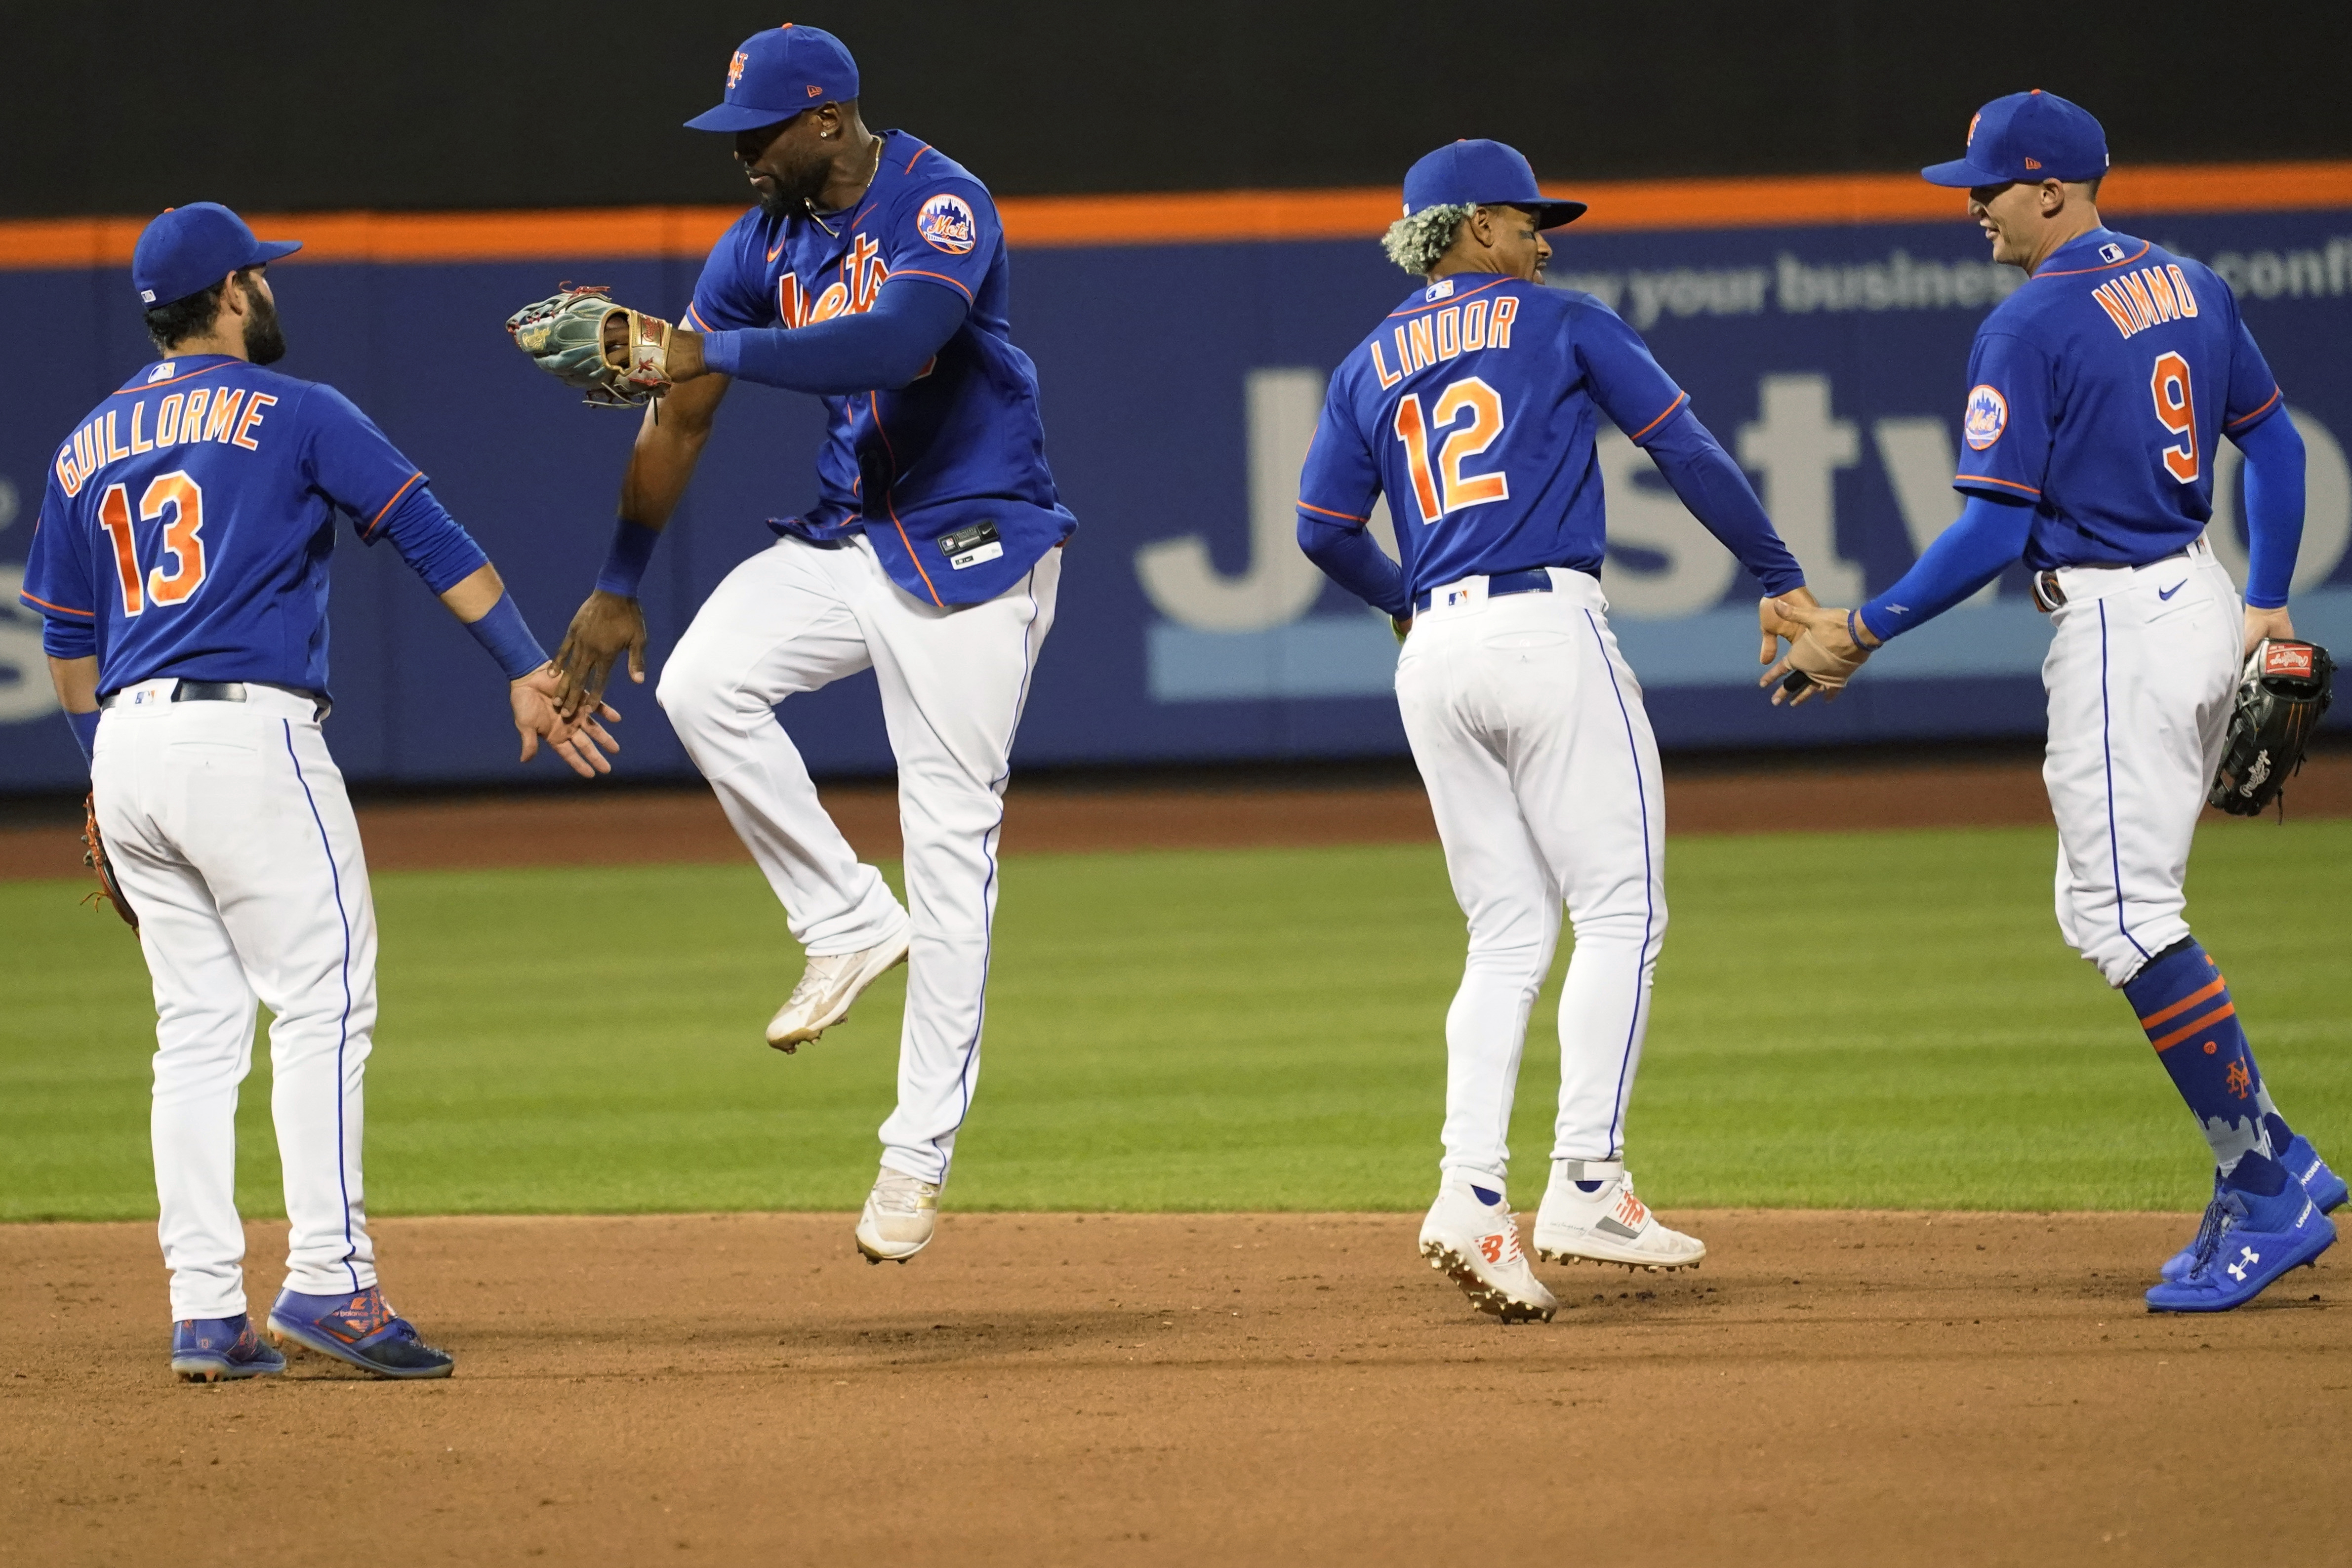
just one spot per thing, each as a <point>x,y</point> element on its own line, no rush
<point>180,496</point>
<point>1485,406</point>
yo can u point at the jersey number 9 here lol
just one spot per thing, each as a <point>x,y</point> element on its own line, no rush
<point>2176,409</point>
<point>1485,406</point>
<point>179,496</point>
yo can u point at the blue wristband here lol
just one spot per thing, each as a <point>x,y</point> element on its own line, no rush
<point>633,551</point>
<point>509,641</point>
<point>85,728</point>
<point>1855,627</point>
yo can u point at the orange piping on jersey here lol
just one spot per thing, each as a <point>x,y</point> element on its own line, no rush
<point>1988,479</point>
<point>1199,217</point>
<point>1328,512</point>
<point>1680,399</point>
<point>874,406</point>
<point>943,277</point>
<point>2166,1014</point>
<point>696,317</point>
<point>62,610</point>
<point>920,148</point>
<point>396,495</point>
<point>183,376</point>
<point>2227,1010</point>
<point>2103,266</point>
<point>1451,298</point>
<point>2276,394</point>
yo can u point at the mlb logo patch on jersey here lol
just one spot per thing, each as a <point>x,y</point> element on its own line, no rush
<point>948,224</point>
<point>162,372</point>
<point>2111,252</point>
<point>1986,417</point>
<point>1441,289</point>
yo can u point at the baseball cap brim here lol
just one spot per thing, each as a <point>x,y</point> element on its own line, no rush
<point>271,249</point>
<point>738,117</point>
<point>1961,175</point>
<point>1552,214</point>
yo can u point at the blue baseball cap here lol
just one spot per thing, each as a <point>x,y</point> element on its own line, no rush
<point>779,73</point>
<point>188,249</point>
<point>1482,174</point>
<point>2031,135</point>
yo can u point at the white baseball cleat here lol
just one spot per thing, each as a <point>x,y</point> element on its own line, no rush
<point>828,986</point>
<point>900,1214</point>
<point>1607,1224</point>
<point>1472,1237</point>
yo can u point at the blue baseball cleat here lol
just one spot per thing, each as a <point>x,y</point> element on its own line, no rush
<point>2252,1240</point>
<point>2303,1161</point>
<point>213,1350</point>
<point>361,1328</point>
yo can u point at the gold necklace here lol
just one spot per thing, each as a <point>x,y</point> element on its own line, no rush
<point>808,204</point>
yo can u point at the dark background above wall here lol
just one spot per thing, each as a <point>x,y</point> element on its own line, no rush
<point>136,104</point>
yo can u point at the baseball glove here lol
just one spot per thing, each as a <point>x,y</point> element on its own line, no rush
<point>93,855</point>
<point>616,357</point>
<point>2281,697</point>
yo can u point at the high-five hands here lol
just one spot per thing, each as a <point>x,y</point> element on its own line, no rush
<point>606,627</point>
<point>1822,655</point>
<point>537,718</point>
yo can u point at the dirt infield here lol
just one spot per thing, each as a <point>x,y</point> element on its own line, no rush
<point>653,827</point>
<point>1830,1388</point>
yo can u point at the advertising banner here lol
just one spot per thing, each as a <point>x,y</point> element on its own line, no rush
<point>1182,383</point>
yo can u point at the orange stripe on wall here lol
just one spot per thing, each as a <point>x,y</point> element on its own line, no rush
<point>620,233</point>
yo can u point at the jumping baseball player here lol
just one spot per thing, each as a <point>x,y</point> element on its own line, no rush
<point>1473,407</point>
<point>872,273</point>
<point>2097,395</point>
<point>180,564</point>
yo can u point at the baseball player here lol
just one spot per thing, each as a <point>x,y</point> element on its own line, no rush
<point>873,273</point>
<point>2097,395</point>
<point>1473,407</point>
<point>180,565</point>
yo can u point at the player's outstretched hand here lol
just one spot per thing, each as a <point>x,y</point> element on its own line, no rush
<point>1775,624</point>
<point>1821,661</point>
<point>607,626</point>
<point>2261,623</point>
<point>574,740</point>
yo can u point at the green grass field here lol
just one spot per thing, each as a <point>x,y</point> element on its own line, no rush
<point>1865,1019</point>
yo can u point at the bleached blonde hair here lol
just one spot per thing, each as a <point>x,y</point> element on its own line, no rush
<point>1415,243</point>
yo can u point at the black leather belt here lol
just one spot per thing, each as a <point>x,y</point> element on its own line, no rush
<point>1502,584</point>
<point>228,692</point>
<point>2048,596</point>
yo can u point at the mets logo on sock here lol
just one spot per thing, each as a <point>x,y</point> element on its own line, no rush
<point>948,224</point>
<point>1986,417</point>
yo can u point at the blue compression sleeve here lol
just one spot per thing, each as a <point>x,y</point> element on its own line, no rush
<point>1351,558</point>
<point>433,543</point>
<point>886,347</point>
<point>1718,493</point>
<point>2274,452</point>
<point>1964,557</point>
<point>632,552</point>
<point>85,728</point>
<point>509,639</point>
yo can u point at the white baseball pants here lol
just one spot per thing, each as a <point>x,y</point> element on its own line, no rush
<point>2142,670</point>
<point>796,617</point>
<point>1528,730</point>
<point>234,841</point>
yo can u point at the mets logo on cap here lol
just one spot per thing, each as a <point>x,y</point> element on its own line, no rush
<point>1986,417</point>
<point>948,224</point>
<point>735,69</point>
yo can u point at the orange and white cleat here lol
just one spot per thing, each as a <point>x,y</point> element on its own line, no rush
<point>1472,1237</point>
<point>1606,1224</point>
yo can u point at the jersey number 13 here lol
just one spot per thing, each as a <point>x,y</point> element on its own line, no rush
<point>179,496</point>
<point>1483,404</point>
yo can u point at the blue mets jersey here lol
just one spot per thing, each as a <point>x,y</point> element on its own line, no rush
<point>189,519</point>
<point>2099,391</point>
<point>1474,408</point>
<point>946,476</point>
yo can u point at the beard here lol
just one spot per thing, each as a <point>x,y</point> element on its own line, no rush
<point>265,340</point>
